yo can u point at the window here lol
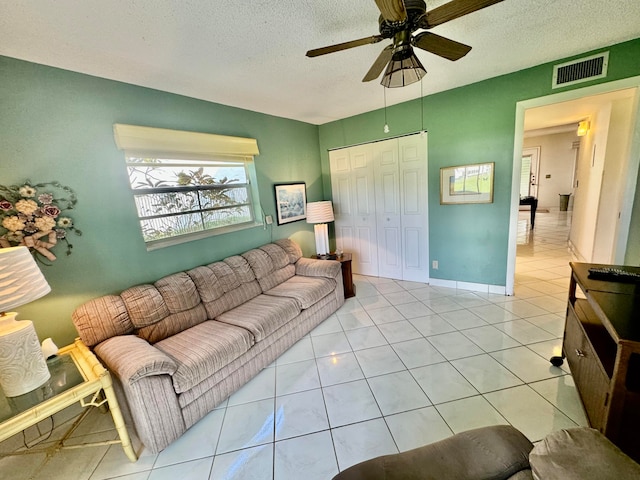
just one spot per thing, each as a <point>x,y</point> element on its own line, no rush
<point>186,195</point>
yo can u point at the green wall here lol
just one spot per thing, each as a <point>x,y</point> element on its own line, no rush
<point>472,124</point>
<point>58,125</point>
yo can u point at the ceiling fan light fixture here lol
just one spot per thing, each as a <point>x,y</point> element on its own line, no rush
<point>403,69</point>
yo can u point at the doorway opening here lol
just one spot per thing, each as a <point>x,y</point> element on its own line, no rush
<point>602,197</point>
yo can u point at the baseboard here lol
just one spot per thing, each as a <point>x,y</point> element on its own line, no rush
<point>474,287</point>
<point>574,253</point>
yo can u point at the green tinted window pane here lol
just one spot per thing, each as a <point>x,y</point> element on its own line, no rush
<point>177,176</point>
<point>223,197</point>
<point>165,227</point>
<point>226,217</point>
<point>166,203</point>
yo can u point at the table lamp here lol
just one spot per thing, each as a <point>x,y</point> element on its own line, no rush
<point>22,365</point>
<point>320,213</point>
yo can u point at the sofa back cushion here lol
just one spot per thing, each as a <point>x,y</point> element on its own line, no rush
<point>182,300</point>
<point>225,285</point>
<point>292,248</point>
<point>102,318</point>
<point>271,265</point>
<point>165,308</point>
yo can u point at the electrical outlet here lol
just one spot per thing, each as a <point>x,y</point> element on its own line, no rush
<point>434,264</point>
<point>268,219</point>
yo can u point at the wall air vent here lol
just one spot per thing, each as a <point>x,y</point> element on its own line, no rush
<point>580,70</point>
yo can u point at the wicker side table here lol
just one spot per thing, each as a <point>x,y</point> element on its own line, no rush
<point>76,375</point>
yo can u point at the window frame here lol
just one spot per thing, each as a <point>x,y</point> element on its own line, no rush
<point>199,148</point>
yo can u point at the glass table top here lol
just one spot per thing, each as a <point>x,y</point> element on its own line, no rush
<point>64,375</point>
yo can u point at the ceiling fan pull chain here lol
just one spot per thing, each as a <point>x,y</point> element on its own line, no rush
<point>386,126</point>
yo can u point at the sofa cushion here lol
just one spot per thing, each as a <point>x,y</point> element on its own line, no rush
<point>178,292</point>
<point>202,350</point>
<point>145,305</point>
<point>172,324</point>
<point>277,277</point>
<point>262,315</point>
<point>279,258</point>
<point>225,285</point>
<point>209,287</point>
<point>241,268</point>
<point>292,248</point>
<point>271,265</point>
<point>306,290</point>
<point>580,454</point>
<point>101,318</point>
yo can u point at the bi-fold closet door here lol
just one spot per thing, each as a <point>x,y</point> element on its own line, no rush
<point>380,204</point>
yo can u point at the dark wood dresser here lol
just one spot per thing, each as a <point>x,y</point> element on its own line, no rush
<point>602,346</point>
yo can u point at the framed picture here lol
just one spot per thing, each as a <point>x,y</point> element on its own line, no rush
<point>291,202</point>
<point>467,184</point>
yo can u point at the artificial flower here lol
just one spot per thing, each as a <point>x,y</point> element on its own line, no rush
<point>65,222</point>
<point>13,223</point>
<point>27,191</point>
<point>45,198</point>
<point>26,207</point>
<point>44,224</point>
<point>51,211</point>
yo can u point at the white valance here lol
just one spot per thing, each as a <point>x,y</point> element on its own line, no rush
<point>135,139</point>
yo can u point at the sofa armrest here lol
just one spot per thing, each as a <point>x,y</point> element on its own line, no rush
<point>498,452</point>
<point>144,374</point>
<point>133,358</point>
<point>310,267</point>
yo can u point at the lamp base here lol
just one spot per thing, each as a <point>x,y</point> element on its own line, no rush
<point>322,238</point>
<point>22,365</point>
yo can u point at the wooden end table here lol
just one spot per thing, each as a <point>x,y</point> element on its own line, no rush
<point>76,374</point>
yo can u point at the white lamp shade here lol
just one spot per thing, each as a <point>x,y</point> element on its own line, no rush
<point>22,365</point>
<point>320,212</point>
<point>21,281</point>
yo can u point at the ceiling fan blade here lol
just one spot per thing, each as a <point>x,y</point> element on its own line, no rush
<point>454,9</point>
<point>381,62</point>
<point>444,47</point>
<point>392,10</point>
<point>344,46</point>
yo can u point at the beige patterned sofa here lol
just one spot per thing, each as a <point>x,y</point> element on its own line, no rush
<point>179,347</point>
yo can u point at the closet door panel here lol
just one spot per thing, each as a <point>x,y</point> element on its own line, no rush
<point>388,209</point>
<point>339,162</point>
<point>414,215</point>
<point>366,261</point>
<point>359,214</point>
<point>413,261</point>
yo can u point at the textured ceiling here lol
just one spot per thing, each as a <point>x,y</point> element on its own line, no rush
<point>251,53</point>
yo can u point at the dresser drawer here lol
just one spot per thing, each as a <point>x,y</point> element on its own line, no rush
<point>588,373</point>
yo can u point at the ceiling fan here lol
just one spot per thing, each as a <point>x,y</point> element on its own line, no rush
<point>399,19</point>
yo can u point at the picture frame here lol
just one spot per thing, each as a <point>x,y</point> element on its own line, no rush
<point>471,183</point>
<point>291,202</point>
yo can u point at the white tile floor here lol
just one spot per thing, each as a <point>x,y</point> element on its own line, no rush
<point>400,365</point>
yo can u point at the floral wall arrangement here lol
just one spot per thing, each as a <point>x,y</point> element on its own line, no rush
<point>32,215</point>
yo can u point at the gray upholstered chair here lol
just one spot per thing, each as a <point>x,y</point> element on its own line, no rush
<point>498,453</point>
<point>503,453</point>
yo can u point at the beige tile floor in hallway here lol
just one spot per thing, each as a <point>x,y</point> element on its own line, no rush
<point>400,365</point>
